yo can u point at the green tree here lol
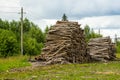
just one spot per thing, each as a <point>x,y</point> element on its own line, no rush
<point>31,47</point>
<point>26,25</point>
<point>95,35</point>
<point>89,33</point>
<point>6,25</point>
<point>32,33</point>
<point>64,17</point>
<point>36,32</point>
<point>46,29</point>
<point>118,46</point>
<point>14,26</point>
<point>8,43</point>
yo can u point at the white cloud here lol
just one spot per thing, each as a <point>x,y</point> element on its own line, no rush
<point>9,3</point>
<point>109,25</point>
<point>102,22</point>
<point>103,14</point>
<point>45,22</point>
<point>53,9</point>
<point>9,9</point>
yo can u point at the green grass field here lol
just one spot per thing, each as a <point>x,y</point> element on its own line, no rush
<point>13,62</point>
<point>86,71</point>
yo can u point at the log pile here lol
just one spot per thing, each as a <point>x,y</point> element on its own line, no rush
<point>65,43</point>
<point>101,49</point>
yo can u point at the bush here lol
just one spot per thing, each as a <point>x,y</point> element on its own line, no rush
<point>31,46</point>
<point>8,43</point>
<point>118,46</point>
<point>89,33</point>
<point>10,36</point>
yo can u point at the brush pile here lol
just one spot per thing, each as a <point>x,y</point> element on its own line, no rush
<point>101,49</point>
<point>65,43</point>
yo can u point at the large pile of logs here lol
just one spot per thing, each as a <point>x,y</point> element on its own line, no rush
<point>101,49</point>
<point>65,43</point>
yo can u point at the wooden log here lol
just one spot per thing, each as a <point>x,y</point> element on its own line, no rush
<point>73,50</point>
<point>101,48</point>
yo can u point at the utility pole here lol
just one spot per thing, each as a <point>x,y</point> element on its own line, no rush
<point>21,19</point>
<point>22,31</point>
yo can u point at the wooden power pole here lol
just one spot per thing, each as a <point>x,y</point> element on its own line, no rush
<point>22,31</point>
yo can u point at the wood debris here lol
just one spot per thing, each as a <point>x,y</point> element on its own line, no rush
<point>65,43</point>
<point>101,49</point>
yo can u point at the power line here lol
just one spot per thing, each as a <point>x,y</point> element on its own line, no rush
<point>8,12</point>
<point>12,12</point>
<point>9,7</point>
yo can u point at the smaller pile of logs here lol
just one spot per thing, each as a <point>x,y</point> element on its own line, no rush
<point>101,49</point>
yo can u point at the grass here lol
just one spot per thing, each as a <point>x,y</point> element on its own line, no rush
<point>86,71</point>
<point>13,62</point>
<point>118,55</point>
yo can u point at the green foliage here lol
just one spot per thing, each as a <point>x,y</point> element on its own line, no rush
<point>95,35</point>
<point>64,17</point>
<point>8,43</point>
<point>89,33</point>
<point>14,26</point>
<point>37,33</point>
<point>26,25</point>
<point>118,47</point>
<point>31,46</point>
<point>46,29</point>
<point>10,33</point>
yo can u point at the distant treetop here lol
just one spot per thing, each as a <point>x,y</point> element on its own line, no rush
<point>64,17</point>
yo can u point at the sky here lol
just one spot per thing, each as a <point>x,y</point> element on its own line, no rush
<point>98,14</point>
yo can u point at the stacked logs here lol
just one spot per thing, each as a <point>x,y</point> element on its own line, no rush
<point>101,49</point>
<point>65,43</point>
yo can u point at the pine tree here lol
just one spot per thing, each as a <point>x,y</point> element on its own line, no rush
<point>64,17</point>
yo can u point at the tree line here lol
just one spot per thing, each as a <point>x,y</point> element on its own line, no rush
<point>89,33</point>
<point>33,38</point>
